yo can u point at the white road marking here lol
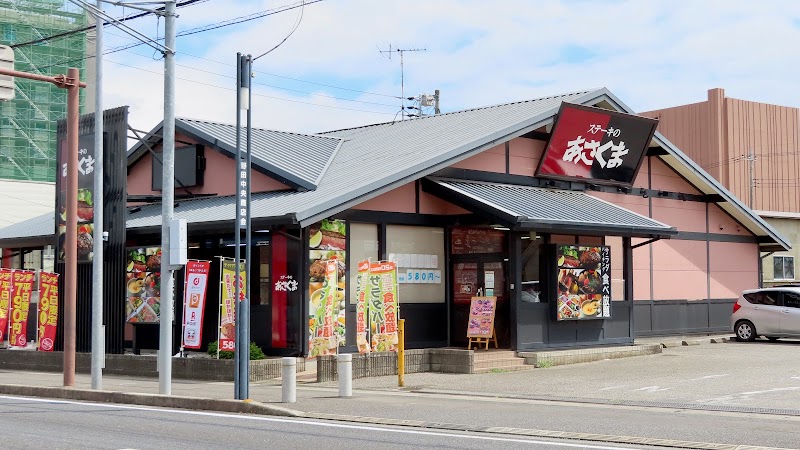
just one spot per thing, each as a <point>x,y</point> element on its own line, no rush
<point>322,424</point>
<point>612,388</point>
<point>771,390</point>
<point>708,377</point>
<point>653,389</point>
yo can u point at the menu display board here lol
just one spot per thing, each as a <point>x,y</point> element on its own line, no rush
<point>472,240</point>
<point>48,310</point>
<point>596,144</point>
<point>327,242</point>
<point>143,282</point>
<point>584,282</point>
<point>481,317</point>
<point>85,216</point>
<point>6,289</point>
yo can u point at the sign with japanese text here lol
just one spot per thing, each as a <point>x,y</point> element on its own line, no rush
<point>584,282</point>
<point>597,145</point>
<point>227,305</point>
<point>85,215</point>
<point>362,337</point>
<point>194,300</point>
<point>382,304</point>
<point>481,317</point>
<point>48,311</point>
<point>20,303</point>
<point>242,209</point>
<point>6,291</point>
<point>322,339</point>
<point>327,241</point>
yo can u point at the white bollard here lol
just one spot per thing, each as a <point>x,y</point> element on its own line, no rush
<point>344,367</point>
<point>289,380</point>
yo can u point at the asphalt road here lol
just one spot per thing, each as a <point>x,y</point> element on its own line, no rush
<point>54,424</point>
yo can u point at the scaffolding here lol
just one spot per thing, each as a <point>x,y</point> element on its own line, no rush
<point>28,123</point>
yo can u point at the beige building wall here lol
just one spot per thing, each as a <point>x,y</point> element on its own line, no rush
<point>722,134</point>
<point>789,226</point>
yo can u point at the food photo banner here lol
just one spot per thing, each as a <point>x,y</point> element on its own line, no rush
<point>20,304</point>
<point>194,300</point>
<point>6,292</point>
<point>48,311</point>
<point>382,304</point>
<point>362,336</point>
<point>322,338</point>
<point>597,145</point>
<point>583,282</point>
<point>86,167</point>
<point>227,305</point>
<point>327,241</point>
<point>143,285</point>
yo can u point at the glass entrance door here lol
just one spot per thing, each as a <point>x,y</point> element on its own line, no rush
<point>478,275</point>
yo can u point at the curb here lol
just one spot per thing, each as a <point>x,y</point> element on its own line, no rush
<point>635,440</point>
<point>157,400</point>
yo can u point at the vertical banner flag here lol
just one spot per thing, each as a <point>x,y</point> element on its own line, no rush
<point>20,302</point>
<point>323,340</point>
<point>194,300</point>
<point>382,301</point>
<point>227,315</point>
<point>362,338</point>
<point>48,310</point>
<point>6,288</point>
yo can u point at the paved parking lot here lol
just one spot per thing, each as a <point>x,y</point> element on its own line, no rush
<point>760,374</point>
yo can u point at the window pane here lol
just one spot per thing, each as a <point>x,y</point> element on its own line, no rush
<point>363,245</point>
<point>788,268</point>
<point>791,300</point>
<point>770,298</point>
<point>418,250</point>
<point>777,264</point>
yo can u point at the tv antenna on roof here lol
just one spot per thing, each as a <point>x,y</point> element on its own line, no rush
<point>402,76</point>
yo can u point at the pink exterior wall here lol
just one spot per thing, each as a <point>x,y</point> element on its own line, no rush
<point>721,222</point>
<point>679,270</point>
<point>430,204</point>
<point>400,200</point>
<point>218,178</point>
<point>734,268</point>
<point>666,179</point>
<point>685,216</point>
<point>491,160</point>
<point>524,155</point>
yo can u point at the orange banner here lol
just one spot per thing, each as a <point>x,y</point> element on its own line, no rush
<point>48,310</point>
<point>20,303</point>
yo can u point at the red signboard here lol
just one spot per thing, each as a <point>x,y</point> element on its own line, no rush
<point>20,302</point>
<point>6,289</point>
<point>597,145</point>
<point>48,310</point>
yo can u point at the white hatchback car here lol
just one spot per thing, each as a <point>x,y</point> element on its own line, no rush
<point>769,312</point>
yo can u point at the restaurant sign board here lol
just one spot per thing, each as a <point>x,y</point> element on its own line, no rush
<point>597,145</point>
<point>584,282</point>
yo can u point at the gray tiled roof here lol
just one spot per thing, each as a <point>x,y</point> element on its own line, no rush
<point>300,158</point>
<point>533,207</point>
<point>39,226</point>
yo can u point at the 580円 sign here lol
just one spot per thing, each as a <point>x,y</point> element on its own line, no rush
<point>597,145</point>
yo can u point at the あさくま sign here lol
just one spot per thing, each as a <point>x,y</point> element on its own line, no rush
<point>596,144</point>
<point>20,303</point>
<point>48,311</point>
<point>194,300</point>
<point>6,290</point>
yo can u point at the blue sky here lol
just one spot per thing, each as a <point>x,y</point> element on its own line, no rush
<point>330,74</point>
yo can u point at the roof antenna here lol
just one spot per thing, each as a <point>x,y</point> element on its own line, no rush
<point>402,75</point>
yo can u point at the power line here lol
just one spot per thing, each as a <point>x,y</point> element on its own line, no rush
<point>254,94</point>
<point>272,86</point>
<point>296,25</point>
<point>91,27</point>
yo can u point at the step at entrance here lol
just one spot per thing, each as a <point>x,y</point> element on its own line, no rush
<point>497,361</point>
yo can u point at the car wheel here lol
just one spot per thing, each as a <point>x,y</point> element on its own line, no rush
<point>773,338</point>
<point>745,331</point>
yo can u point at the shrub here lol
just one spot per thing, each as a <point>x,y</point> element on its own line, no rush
<point>255,351</point>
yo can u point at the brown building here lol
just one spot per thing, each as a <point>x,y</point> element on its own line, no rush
<point>751,148</point>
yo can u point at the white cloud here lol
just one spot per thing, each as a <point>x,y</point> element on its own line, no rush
<point>652,54</point>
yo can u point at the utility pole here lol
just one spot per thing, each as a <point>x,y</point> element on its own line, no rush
<point>98,332</point>
<point>71,239</point>
<point>436,110</point>
<point>167,204</point>
<point>402,75</point>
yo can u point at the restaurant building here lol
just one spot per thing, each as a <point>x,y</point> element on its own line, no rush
<point>588,226</point>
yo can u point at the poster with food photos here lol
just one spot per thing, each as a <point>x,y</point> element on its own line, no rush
<point>584,282</point>
<point>481,317</point>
